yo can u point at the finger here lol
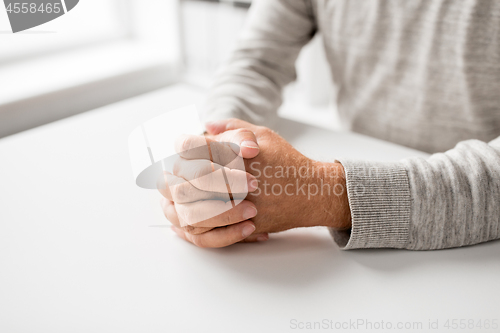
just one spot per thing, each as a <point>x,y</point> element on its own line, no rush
<point>170,213</point>
<point>168,182</point>
<point>219,237</point>
<point>256,238</point>
<point>244,138</point>
<point>196,230</point>
<point>222,149</point>
<point>214,213</point>
<point>180,190</point>
<point>193,147</point>
<point>207,176</point>
<point>220,126</point>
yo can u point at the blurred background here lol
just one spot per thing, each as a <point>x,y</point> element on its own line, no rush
<point>105,51</point>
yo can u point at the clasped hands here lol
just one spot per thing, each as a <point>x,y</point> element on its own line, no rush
<point>215,199</point>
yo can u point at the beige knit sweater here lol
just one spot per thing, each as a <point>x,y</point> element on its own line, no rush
<point>421,73</point>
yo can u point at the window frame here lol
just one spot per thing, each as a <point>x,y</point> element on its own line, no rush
<point>144,60</point>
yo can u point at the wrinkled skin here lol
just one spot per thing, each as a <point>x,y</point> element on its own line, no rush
<point>285,188</point>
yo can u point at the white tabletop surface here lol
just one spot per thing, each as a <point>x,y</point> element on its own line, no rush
<point>77,253</point>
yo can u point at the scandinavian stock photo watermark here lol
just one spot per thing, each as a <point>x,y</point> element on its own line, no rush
<point>24,15</point>
<point>309,180</point>
<point>363,324</point>
<point>306,180</point>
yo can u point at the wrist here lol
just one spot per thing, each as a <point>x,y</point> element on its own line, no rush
<point>335,202</point>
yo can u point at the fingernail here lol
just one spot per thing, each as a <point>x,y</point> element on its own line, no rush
<point>250,144</point>
<point>262,238</point>
<point>249,212</point>
<point>248,230</point>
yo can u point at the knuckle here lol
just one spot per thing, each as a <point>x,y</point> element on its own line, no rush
<point>185,193</point>
<point>190,229</point>
<point>178,193</point>
<point>193,230</point>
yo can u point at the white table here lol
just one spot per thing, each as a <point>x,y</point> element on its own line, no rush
<point>77,253</point>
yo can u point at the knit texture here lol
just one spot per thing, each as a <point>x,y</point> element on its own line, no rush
<point>421,73</point>
<point>379,199</point>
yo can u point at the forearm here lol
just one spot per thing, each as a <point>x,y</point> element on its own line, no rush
<point>455,197</point>
<point>249,86</point>
<point>448,200</point>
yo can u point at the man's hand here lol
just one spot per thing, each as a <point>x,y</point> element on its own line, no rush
<point>287,189</point>
<point>196,199</point>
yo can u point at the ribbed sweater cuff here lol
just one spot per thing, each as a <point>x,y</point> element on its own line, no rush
<point>379,199</point>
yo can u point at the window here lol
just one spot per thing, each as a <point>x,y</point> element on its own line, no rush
<point>100,52</point>
<point>91,22</point>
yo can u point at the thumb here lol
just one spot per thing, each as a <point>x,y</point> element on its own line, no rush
<point>244,138</point>
<point>236,131</point>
